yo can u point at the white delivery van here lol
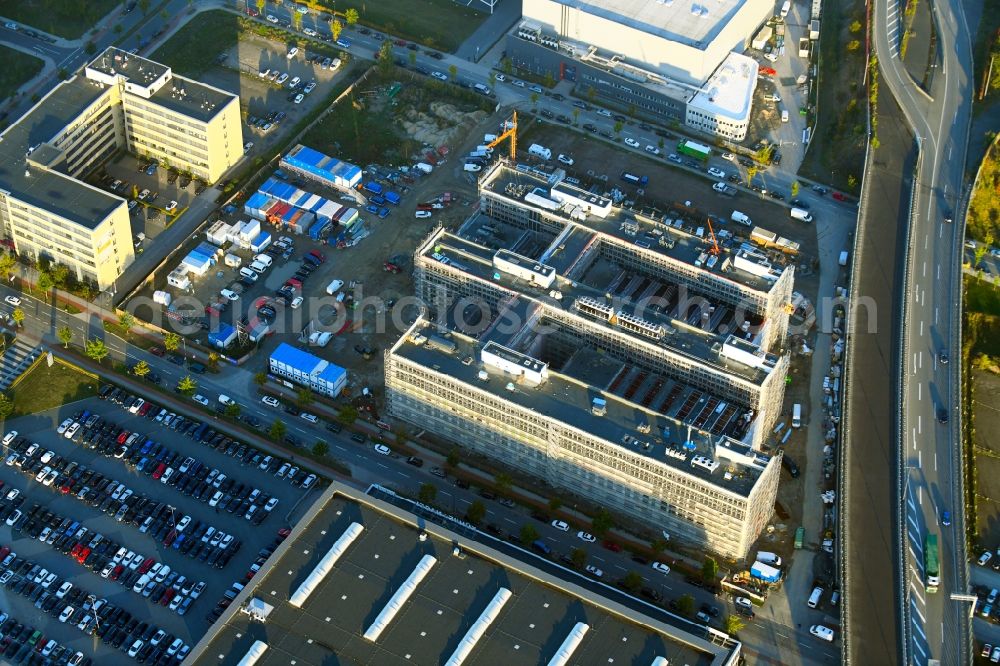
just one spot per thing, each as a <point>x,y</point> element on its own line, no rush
<point>334,287</point>
<point>843,257</point>
<point>769,558</point>
<point>815,597</point>
<point>258,267</point>
<point>226,400</point>
<point>821,632</point>
<point>265,259</point>
<point>423,166</point>
<point>540,151</point>
<point>472,166</point>
<point>489,138</point>
<point>785,8</point>
<point>233,260</point>
<point>801,214</point>
<point>797,415</point>
<point>481,89</point>
<point>784,115</point>
<point>741,218</point>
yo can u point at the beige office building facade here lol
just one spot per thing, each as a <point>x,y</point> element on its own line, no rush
<point>120,102</point>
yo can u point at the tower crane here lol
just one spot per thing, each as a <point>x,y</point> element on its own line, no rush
<point>510,133</point>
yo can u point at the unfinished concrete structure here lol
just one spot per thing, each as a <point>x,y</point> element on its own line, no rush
<point>619,354</point>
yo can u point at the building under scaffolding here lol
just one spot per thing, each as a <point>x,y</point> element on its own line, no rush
<point>607,355</point>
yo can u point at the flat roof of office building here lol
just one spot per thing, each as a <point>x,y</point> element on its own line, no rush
<point>52,191</point>
<point>191,98</point>
<point>569,400</point>
<point>695,24</point>
<point>729,91</point>
<point>691,341</point>
<point>329,626</point>
<point>687,246</point>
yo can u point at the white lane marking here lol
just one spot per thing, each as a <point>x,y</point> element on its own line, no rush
<point>920,392</point>
<point>917,591</point>
<point>936,313</point>
<point>935,461</point>
<point>921,329</point>
<point>923,294</point>
<point>939,270</point>
<point>914,364</point>
<point>915,525</point>
<point>920,357</point>
<point>917,645</point>
<point>914,439</point>
<point>940,235</point>
<point>920,495</point>
<point>925,269</point>
<point>920,463</point>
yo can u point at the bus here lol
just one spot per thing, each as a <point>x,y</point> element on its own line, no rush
<point>931,567</point>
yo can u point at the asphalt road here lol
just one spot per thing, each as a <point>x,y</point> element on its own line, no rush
<point>935,627</point>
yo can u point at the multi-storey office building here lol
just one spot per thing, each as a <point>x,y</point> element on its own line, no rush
<point>121,102</point>
<point>605,351</point>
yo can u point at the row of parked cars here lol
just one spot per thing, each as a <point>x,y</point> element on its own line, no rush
<point>23,643</point>
<point>74,605</point>
<point>187,474</point>
<point>104,555</point>
<point>237,587</point>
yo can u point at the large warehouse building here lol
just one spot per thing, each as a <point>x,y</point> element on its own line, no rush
<point>377,579</point>
<point>121,102</point>
<point>609,352</point>
<point>654,57</point>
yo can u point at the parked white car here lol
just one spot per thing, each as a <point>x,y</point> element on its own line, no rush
<point>629,141</point>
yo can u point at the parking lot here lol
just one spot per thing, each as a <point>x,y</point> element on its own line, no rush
<point>168,519</point>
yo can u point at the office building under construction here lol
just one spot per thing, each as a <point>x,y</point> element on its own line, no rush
<point>633,358</point>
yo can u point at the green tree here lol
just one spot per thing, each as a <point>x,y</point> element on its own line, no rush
<point>187,385</point>
<point>979,253</point>
<point>65,335</point>
<point>709,570</point>
<point>428,493</point>
<point>304,396</point>
<point>795,189</point>
<point>260,378</point>
<point>602,522</point>
<point>534,99</point>
<point>90,48</point>
<point>503,482</point>
<point>126,320</point>
<point>658,545</point>
<point>164,14</point>
<point>96,349</point>
<point>171,341</point>
<point>852,181</point>
<point>550,81</point>
<point>507,66</point>
<point>336,27</point>
<point>591,93</point>
<point>733,625</point>
<point>384,57</point>
<point>233,410</point>
<point>453,71</point>
<point>63,74</point>
<point>855,26</point>
<point>351,16</point>
<point>45,282</point>
<point>213,360</point>
<point>277,431</point>
<point>576,116</point>
<point>60,274</point>
<point>555,503</point>
<point>6,406</point>
<point>7,263</point>
<point>685,605</point>
<point>118,29</point>
<point>141,369</point>
<point>321,448</point>
<point>261,5</point>
<point>413,58</point>
<point>296,20</point>
<point>453,457</point>
<point>618,127</point>
<point>528,533</point>
<point>347,415</point>
<point>632,581</point>
<point>144,6</point>
<point>476,512</point>
<point>853,45</point>
<point>18,316</point>
<point>579,557</point>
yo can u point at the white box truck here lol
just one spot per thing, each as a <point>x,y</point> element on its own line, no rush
<point>540,151</point>
<point>801,214</point>
<point>423,166</point>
